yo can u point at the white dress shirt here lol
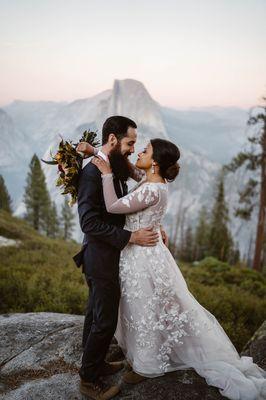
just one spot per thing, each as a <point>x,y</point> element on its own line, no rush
<point>102,155</point>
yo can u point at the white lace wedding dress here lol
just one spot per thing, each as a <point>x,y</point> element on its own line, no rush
<point>161,325</point>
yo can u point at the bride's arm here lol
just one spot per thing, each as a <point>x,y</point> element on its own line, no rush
<point>137,200</point>
<point>143,197</point>
<point>87,149</point>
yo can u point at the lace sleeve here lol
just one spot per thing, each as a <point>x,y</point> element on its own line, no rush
<point>136,173</point>
<point>143,197</point>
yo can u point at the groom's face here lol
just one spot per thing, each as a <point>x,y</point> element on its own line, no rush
<point>127,143</point>
<point>118,156</point>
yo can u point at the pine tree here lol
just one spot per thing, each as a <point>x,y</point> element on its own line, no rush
<point>220,240</point>
<point>67,220</point>
<point>187,245</point>
<point>5,199</point>
<point>177,227</point>
<point>202,234</point>
<point>36,197</point>
<point>52,223</point>
<point>234,256</point>
<point>254,191</point>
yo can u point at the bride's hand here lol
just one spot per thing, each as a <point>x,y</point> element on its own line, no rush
<point>85,148</point>
<point>102,165</point>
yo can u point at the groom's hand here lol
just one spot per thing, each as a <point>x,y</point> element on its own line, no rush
<point>164,237</point>
<point>144,237</point>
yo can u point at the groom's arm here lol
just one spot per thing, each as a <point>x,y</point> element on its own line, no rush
<point>90,213</point>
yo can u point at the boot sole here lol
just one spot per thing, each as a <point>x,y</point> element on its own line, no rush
<point>85,393</point>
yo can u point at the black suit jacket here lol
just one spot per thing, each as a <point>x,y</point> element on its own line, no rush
<point>104,236</point>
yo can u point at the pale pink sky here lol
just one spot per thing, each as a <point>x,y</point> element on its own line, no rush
<point>193,53</point>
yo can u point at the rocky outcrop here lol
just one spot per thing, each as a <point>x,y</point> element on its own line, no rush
<point>40,354</point>
<point>4,242</point>
<point>256,347</point>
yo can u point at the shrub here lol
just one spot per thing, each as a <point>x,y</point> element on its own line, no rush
<point>39,275</point>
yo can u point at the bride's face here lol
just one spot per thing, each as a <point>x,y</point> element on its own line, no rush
<point>144,160</point>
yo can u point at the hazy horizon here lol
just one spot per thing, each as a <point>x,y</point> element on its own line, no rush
<point>194,54</point>
<point>162,105</point>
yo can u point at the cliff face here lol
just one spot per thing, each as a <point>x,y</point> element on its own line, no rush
<point>40,355</point>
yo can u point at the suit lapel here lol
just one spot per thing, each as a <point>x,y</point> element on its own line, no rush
<point>117,185</point>
<point>125,188</point>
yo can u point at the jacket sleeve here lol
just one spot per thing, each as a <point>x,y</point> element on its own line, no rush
<point>89,209</point>
<point>143,197</point>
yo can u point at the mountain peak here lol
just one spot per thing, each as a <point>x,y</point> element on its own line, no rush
<point>130,98</point>
<point>130,85</point>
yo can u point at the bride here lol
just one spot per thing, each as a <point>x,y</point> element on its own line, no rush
<point>161,326</point>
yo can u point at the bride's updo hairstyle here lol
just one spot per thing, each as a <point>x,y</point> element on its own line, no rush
<point>166,154</point>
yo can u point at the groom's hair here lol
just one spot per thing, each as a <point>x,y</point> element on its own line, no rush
<point>117,125</point>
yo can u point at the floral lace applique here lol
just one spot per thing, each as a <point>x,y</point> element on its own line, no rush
<point>145,195</point>
<point>158,321</point>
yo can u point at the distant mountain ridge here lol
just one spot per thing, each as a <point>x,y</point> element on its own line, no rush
<point>207,137</point>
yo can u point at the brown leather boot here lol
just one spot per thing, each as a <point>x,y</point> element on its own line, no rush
<point>110,368</point>
<point>133,378</point>
<point>128,366</point>
<point>97,390</point>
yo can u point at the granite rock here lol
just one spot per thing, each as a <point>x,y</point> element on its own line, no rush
<point>40,354</point>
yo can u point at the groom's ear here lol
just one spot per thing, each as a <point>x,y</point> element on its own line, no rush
<point>112,139</point>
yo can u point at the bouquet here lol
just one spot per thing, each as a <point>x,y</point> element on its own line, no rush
<point>69,163</point>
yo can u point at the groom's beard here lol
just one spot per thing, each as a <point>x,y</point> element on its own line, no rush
<point>120,164</point>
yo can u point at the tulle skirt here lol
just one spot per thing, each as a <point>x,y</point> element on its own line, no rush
<point>163,328</point>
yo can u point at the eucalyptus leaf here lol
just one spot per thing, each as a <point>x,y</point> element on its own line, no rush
<point>50,162</point>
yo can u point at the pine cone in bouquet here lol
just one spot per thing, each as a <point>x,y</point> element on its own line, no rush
<point>69,163</point>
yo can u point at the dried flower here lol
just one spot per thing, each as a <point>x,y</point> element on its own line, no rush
<point>69,163</point>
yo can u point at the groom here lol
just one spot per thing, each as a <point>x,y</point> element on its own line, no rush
<point>104,238</point>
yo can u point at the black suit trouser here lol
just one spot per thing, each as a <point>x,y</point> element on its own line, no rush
<point>99,325</point>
